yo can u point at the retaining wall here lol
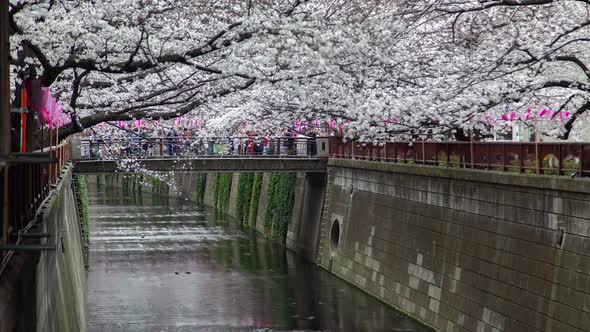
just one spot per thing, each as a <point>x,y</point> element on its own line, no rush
<point>462,250</point>
<point>46,291</point>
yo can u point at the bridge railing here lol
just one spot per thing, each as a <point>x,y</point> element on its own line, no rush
<point>187,147</point>
<point>553,158</point>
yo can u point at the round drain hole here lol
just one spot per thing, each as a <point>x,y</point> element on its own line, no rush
<point>334,237</point>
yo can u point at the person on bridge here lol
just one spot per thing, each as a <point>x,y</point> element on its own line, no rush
<point>135,142</point>
<point>290,142</point>
<point>145,144</point>
<point>312,148</point>
<point>249,145</point>
<point>229,145</point>
<point>264,143</point>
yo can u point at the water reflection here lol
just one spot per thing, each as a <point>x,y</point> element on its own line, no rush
<point>162,264</point>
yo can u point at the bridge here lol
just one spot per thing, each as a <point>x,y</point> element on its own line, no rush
<point>219,154</point>
<point>203,164</point>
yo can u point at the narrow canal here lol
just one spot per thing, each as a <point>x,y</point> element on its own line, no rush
<point>159,264</point>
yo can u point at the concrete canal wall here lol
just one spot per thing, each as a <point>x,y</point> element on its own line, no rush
<point>46,291</point>
<point>462,250</point>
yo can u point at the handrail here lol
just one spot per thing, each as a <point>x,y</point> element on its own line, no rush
<point>138,147</point>
<point>31,177</point>
<point>550,158</point>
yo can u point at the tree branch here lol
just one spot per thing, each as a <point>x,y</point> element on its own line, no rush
<point>569,125</point>
<point>97,118</point>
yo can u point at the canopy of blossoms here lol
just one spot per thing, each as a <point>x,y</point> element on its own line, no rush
<point>376,69</point>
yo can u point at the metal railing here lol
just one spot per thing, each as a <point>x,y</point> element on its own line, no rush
<point>552,158</point>
<point>31,176</point>
<point>187,147</point>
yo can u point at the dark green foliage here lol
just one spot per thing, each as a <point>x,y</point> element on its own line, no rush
<point>200,191</point>
<point>281,195</point>
<point>245,181</point>
<point>256,188</point>
<point>155,186</point>
<point>81,188</point>
<point>221,190</point>
<point>132,183</point>
<point>160,188</point>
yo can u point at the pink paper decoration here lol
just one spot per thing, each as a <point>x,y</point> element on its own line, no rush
<point>530,115</point>
<point>543,113</point>
<point>509,117</point>
<point>52,113</point>
<point>45,105</point>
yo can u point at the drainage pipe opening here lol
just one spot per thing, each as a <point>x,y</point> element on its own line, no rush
<point>334,236</point>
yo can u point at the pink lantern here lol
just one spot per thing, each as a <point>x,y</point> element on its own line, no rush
<point>563,117</point>
<point>45,105</point>
<point>543,113</point>
<point>508,117</point>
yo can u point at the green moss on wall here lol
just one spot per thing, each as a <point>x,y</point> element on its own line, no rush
<point>200,191</point>
<point>244,198</point>
<point>221,190</point>
<point>281,196</point>
<point>81,188</point>
<point>256,188</point>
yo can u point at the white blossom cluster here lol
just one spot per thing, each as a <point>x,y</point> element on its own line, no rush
<point>381,69</point>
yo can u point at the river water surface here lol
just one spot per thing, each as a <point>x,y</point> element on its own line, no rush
<point>159,264</point>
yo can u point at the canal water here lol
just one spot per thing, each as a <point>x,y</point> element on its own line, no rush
<point>160,264</point>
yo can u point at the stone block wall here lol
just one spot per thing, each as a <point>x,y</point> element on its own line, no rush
<point>233,196</point>
<point>303,233</point>
<point>462,250</point>
<point>295,225</point>
<point>209,198</point>
<point>61,275</point>
<point>262,204</point>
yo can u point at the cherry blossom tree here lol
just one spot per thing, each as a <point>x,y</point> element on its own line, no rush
<point>431,68</point>
<point>382,69</point>
<point>523,54</point>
